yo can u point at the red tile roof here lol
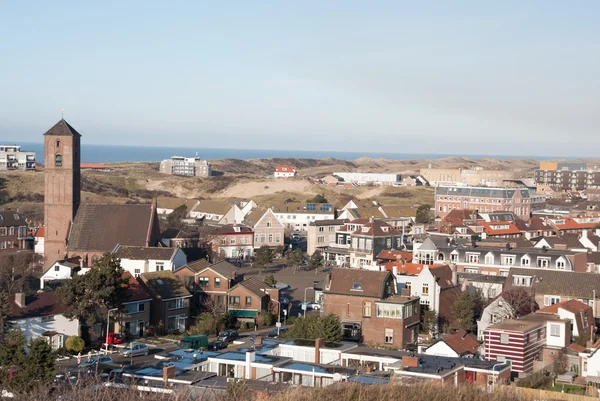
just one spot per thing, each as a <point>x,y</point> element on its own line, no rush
<point>490,230</point>
<point>572,305</point>
<point>462,343</point>
<point>571,224</point>
<point>39,233</point>
<point>411,269</point>
<point>395,255</point>
<point>135,292</point>
<point>285,168</point>
<point>576,347</point>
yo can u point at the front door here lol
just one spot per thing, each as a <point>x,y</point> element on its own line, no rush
<point>141,328</point>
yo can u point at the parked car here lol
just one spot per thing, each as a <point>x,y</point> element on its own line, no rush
<point>194,342</point>
<point>134,349</point>
<point>275,334</point>
<point>115,338</point>
<point>95,360</point>
<point>228,336</point>
<point>284,301</point>
<point>296,237</point>
<point>310,306</point>
<point>217,345</point>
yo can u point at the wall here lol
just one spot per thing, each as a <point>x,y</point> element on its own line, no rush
<point>131,265</point>
<point>300,221</point>
<point>63,274</point>
<point>262,230</point>
<point>239,291</point>
<point>442,349</point>
<point>122,318</point>
<point>560,341</point>
<point>33,328</point>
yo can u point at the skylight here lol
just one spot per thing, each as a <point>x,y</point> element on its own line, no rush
<point>357,286</point>
<point>159,281</point>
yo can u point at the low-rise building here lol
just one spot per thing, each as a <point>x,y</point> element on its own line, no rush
<point>134,320</point>
<point>250,297</point>
<point>166,205</point>
<point>370,309</point>
<point>13,159</point>
<point>268,230</point>
<point>216,280</point>
<point>233,241</point>
<point>370,178</point>
<point>13,232</point>
<point>186,166</point>
<point>138,260</point>
<point>41,315</point>
<point>460,344</point>
<point>297,216</point>
<point>210,210</point>
<point>285,171</point>
<point>38,241</point>
<point>62,270</point>
<point>483,199</point>
<point>579,314</point>
<point>321,234</point>
<point>170,307</point>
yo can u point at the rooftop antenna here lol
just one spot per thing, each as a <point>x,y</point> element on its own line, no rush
<point>62,113</point>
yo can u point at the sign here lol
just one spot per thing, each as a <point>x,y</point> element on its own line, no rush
<point>285,312</point>
<point>278,324</point>
<point>303,306</point>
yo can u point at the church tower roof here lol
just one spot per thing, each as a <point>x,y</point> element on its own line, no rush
<point>62,128</point>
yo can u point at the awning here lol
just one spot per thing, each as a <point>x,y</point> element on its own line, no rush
<point>243,312</point>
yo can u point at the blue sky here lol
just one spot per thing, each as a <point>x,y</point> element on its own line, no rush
<point>463,77</point>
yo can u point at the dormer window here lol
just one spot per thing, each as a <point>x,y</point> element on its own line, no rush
<point>58,161</point>
<point>357,287</point>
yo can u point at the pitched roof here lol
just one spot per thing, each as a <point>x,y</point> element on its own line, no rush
<point>443,275</point>
<point>197,265</point>
<point>395,255</point>
<point>135,292</point>
<point>224,268</point>
<point>458,216</point>
<point>164,202</point>
<point>99,227</point>
<point>39,233</point>
<point>376,228</point>
<point>559,282</point>
<point>164,285</point>
<point>234,229</point>
<point>411,269</point>
<point>145,252</point>
<point>38,304</point>
<point>254,216</point>
<point>462,343</point>
<point>285,168</point>
<point>209,206</point>
<point>69,262</point>
<point>10,218</point>
<point>393,212</point>
<point>254,285</point>
<point>571,305</point>
<point>364,283</point>
<point>299,207</point>
<point>428,245</point>
<point>568,241</point>
<point>499,228</point>
<point>62,128</point>
<point>366,212</point>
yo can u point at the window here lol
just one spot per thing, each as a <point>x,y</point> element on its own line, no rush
<point>58,144</point>
<point>321,239</point>
<point>508,260</point>
<point>521,281</point>
<point>217,282</point>
<point>137,272</point>
<point>454,257</point>
<point>555,330</point>
<point>57,268</point>
<point>526,339</point>
<point>321,229</point>
<point>277,237</point>
<point>356,286</point>
<point>46,319</point>
<point>11,231</point>
<point>2,244</point>
<point>223,241</point>
<point>270,238</point>
<point>539,334</point>
<point>232,241</point>
<point>136,307</point>
<point>248,301</point>
<point>58,161</point>
<point>366,309</point>
<point>543,262</point>
<point>489,259</point>
<point>472,258</point>
<point>269,224</point>
<point>389,336</point>
<point>3,231</point>
<point>389,311</point>
<point>408,287</point>
<point>160,266</point>
<point>425,289</point>
<point>234,301</point>
<point>495,318</point>
<point>503,338</point>
<point>560,264</point>
<point>525,261</point>
<point>203,281</point>
<point>178,303</point>
<point>551,300</point>
<point>176,323</point>
<point>262,238</point>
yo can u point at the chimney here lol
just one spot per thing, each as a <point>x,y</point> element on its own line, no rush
<point>318,345</point>
<point>20,299</point>
<point>258,341</point>
<point>250,357</point>
<point>168,373</point>
<point>395,270</point>
<point>410,362</point>
<point>80,263</point>
<point>454,274</point>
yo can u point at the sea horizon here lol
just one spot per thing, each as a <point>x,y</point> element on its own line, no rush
<point>94,153</point>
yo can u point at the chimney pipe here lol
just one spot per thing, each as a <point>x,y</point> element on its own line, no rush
<point>20,299</point>
<point>318,345</point>
<point>395,270</point>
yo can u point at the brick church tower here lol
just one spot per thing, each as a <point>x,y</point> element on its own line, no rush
<point>62,187</point>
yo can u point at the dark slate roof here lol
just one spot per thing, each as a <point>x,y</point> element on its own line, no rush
<point>559,282</point>
<point>164,285</point>
<point>255,286</point>
<point>100,227</point>
<point>38,304</point>
<point>62,128</point>
<point>372,283</point>
<point>11,219</point>
<point>145,253</point>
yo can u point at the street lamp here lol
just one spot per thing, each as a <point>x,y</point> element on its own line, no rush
<point>278,315</point>
<point>108,326</point>
<point>304,304</point>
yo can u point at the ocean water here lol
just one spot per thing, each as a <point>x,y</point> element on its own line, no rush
<point>114,153</point>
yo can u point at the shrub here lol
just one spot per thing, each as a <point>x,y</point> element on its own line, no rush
<point>74,344</point>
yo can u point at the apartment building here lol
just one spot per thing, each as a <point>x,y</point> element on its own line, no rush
<point>186,166</point>
<point>297,216</point>
<point>459,176</point>
<point>567,176</point>
<point>370,178</point>
<point>12,158</point>
<point>322,233</point>
<point>370,309</point>
<point>483,199</point>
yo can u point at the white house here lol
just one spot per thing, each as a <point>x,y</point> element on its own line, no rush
<point>298,216</point>
<point>38,241</point>
<point>63,270</point>
<point>306,351</point>
<point>370,178</point>
<point>41,315</point>
<point>247,207</point>
<point>137,260</point>
<point>497,311</point>
<point>210,210</point>
<point>285,171</point>
<point>581,316</point>
<point>461,344</point>
<point>234,215</point>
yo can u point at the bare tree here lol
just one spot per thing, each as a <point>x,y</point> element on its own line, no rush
<point>213,306</point>
<point>515,302</point>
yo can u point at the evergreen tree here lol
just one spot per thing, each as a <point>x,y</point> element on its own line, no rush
<point>264,257</point>
<point>424,214</point>
<point>463,312</point>
<point>329,328</point>
<point>270,280</point>
<point>316,261</point>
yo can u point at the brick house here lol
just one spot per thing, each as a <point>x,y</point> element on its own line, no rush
<point>268,230</point>
<point>216,280</point>
<point>483,199</point>
<point>187,273</point>
<point>13,232</point>
<point>248,298</point>
<point>135,319</point>
<point>170,307</point>
<point>369,308</point>
<point>370,238</point>
<point>233,241</point>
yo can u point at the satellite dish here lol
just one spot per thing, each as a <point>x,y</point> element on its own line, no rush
<point>337,377</point>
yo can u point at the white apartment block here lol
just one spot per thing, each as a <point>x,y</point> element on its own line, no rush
<point>12,158</point>
<point>370,178</point>
<point>186,166</point>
